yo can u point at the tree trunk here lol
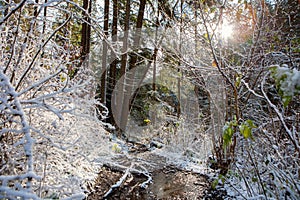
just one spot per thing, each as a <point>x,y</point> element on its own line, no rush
<point>102,87</point>
<point>86,30</point>
<point>120,94</point>
<point>154,58</point>
<point>113,66</point>
<point>132,65</point>
<point>178,70</point>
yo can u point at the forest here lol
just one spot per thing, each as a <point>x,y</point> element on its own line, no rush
<point>149,99</point>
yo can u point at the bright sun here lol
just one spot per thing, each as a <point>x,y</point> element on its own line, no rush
<point>226,30</point>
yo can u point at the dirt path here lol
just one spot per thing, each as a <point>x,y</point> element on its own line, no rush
<point>167,183</point>
<point>145,175</point>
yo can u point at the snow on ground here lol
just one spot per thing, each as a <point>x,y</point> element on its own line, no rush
<point>68,160</point>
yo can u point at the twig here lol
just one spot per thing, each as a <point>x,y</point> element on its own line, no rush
<point>149,180</point>
<point>119,183</point>
<point>12,12</point>
<point>250,90</point>
<point>38,52</point>
<point>258,175</point>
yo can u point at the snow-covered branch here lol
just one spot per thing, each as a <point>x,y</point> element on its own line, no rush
<point>281,117</point>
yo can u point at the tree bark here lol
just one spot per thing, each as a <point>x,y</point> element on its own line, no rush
<point>102,86</point>
<point>113,66</point>
<point>132,65</point>
<point>86,30</point>
<point>120,95</point>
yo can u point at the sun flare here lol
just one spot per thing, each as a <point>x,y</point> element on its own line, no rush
<point>226,30</point>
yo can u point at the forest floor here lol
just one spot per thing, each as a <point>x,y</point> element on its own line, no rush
<point>142,174</point>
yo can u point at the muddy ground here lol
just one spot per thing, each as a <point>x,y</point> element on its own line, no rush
<point>167,183</point>
<point>144,175</point>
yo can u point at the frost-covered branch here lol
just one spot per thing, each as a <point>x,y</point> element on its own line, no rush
<point>40,82</point>
<point>8,93</point>
<point>17,7</point>
<point>249,89</point>
<point>281,117</point>
<point>39,51</point>
<point>119,183</point>
<point>13,193</point>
